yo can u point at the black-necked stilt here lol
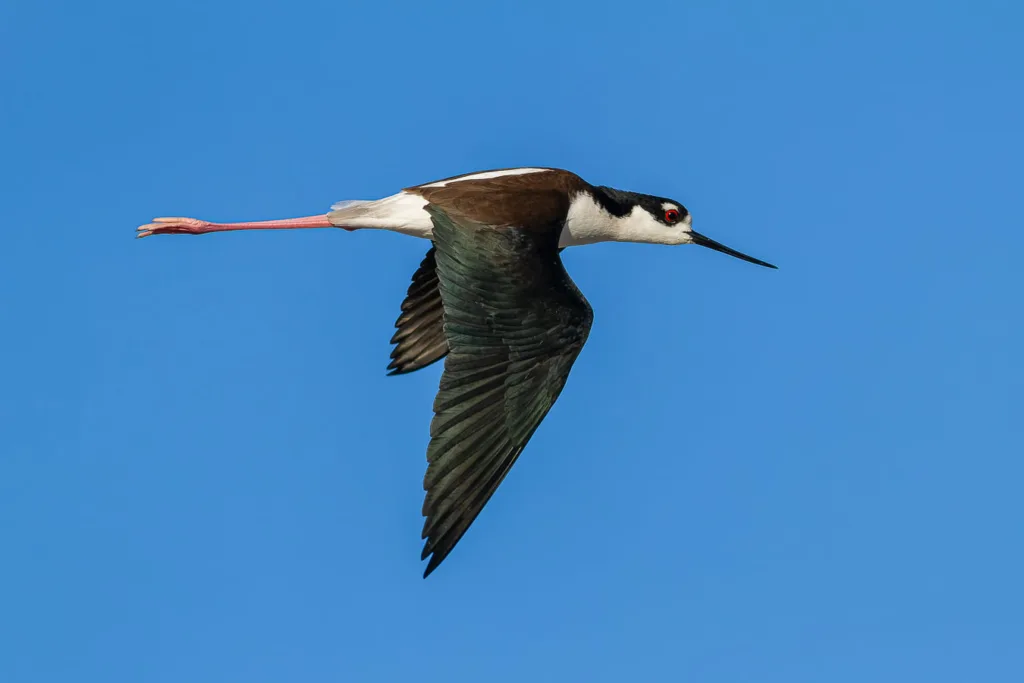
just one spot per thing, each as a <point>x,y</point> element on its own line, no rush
<point>493,296</point>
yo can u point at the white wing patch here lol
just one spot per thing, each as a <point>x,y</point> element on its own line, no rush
<point>488,174</point>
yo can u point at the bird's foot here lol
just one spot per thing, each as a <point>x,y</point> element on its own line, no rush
<point>173,226</point>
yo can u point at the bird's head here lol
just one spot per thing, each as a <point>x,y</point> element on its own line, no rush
<point>657,220</point>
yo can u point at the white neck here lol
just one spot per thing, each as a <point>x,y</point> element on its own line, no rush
<point>587,222</point>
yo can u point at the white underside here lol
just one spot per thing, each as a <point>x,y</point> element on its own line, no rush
<point>403,212</point>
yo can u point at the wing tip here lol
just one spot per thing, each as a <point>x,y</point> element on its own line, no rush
<point>436,558</point>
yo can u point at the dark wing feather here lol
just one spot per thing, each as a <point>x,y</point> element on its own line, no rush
<point>515,323</point>
<point>419,339</point>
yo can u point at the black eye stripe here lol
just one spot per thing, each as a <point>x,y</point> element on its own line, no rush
<point>620,203</point>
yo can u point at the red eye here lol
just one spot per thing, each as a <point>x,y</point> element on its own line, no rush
<point>671,216</point>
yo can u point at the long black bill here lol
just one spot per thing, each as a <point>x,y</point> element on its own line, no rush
<point>718,246</point>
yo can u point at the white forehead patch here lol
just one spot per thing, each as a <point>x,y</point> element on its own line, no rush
<point>665,206</point>
<point>487,174</point>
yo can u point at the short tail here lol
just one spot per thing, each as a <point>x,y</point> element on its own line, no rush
<point>348,212</point>
<point>338,206</point>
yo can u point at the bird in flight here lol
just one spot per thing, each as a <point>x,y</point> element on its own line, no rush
<point>492,297</point>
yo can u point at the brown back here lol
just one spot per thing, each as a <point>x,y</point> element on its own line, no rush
<point>531,201</point>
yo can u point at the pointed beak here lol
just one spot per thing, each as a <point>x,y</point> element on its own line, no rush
<point>718,246</point>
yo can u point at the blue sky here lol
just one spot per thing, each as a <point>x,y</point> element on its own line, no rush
<point>807,474</point>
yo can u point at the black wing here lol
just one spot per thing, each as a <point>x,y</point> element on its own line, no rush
<point>515,323</point>
<point>419,339</point>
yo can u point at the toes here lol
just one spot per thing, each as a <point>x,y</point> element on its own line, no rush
<point>170,226</point>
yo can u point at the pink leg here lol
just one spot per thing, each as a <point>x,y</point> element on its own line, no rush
<point>193,226</point>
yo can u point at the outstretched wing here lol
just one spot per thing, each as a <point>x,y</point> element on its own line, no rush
<point>419,336</point>
<point>419,339</point>
<point>515,323</point>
